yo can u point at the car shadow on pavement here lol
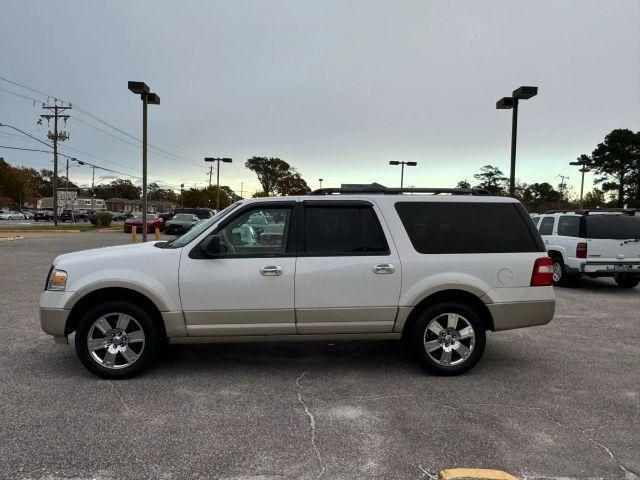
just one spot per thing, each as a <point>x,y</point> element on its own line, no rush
<point>604,285</point>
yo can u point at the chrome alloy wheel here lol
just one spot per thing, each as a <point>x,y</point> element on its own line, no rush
<point>557,272</point>
<point>449,339</point>
<point>115,340</point>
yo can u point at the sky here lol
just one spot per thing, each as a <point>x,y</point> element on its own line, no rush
<point>335,88</point>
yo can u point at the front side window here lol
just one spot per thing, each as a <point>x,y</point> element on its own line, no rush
<point>251,234</point>
<point>546,226</point>
<point>569,226</point>
<point>342,230</point>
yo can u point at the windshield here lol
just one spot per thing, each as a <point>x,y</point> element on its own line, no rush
<point>183,216</point>
<point>200,227</point>
<point>618,227</point>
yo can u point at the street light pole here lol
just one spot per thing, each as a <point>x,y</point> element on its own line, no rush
<point>182,194</point>
<point>584,162</point>
<point>408,164</point>
<point>218,160</point>
<point>148,98</point>
<point>320,180</point>
<point>522,93</point>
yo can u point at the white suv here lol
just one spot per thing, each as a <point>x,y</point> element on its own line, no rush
<point>438,270</point>
<point>595,243</point>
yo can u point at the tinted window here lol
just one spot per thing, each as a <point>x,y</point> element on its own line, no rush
<point>569,226</point>
<point>342,230</point>
<point>621,227</point>
<point>536,221</point>
<point>437,227</point>
<point>546,226</point>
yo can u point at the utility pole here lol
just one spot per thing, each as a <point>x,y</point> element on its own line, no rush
<point>182,194</point>
<point>218,160</point>
<point>563,185</point>
<point>241,188</point>
<point>55,136</point>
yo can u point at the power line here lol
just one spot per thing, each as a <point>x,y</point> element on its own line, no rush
<point>89,114</point>
<point>26,149</point>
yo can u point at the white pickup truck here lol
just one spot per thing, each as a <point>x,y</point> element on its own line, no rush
<point>594,243</point>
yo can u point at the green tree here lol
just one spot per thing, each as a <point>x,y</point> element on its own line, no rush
<point>594,198</point>
<point>491,178</point>
<point>616,161</point>
<point>543,192</point>
<point>269,171</point>
<point>463,184</point>
<point>292,184</point>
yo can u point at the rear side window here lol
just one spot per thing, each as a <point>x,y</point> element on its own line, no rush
<point>342,230</point>
<point>569,226</point>
<point>619,227</point>
<point>436,227</point>
<point>546,226</point>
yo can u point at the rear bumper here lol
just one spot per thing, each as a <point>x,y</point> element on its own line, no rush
<point>605,267</point>
<point>507,316</point>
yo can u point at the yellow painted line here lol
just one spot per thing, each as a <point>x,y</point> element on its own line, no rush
<point>7,239</point>
<point>480,473</point>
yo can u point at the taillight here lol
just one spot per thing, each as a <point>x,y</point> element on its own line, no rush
<point>542,272</point>
<point>581,250</point>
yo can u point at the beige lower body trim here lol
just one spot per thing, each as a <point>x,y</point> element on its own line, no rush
<point>53,321</point>
<point>174,324</point>
<point>507,316</point>
<point>241,322</point>
<point>345,320</point>
<point>286,338</point>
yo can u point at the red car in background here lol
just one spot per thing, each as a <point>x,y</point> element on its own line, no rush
<point>153,221</point>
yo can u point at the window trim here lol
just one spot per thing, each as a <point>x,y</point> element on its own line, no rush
<point>338,204</point>
<point>196,254</point>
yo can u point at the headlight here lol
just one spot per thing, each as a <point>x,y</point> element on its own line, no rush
<point>57,280</point>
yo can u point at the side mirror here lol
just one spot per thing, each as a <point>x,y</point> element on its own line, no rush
<point>211,246</point>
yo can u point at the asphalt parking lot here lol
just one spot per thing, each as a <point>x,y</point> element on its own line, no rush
<point>562,400</point>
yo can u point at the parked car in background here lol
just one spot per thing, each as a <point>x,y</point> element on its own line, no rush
<point>593,243</point>
<point>43,215</point>
<point>74,216</point>
<point>28,213</point>
<point>167,216</point>
<point>272,234</point>
<point>153,220</point>
<point>437,270</point>
<point>180,224</point>
<point>118,216</point>
<point>202,213</point>
<point>11,215</point>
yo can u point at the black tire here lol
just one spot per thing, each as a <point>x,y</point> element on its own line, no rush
<point>153,340</point>
<point>419,335</point>
<point>560,276</point>
<point>627,281</point>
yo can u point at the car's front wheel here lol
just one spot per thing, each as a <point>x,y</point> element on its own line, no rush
<point>449,338</point>
<point>117,340</point>
<point>627,281</point>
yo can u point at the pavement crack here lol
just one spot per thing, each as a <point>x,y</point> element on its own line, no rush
<point>628,474</point>
<point>120,397</point>
<point>312,424</point>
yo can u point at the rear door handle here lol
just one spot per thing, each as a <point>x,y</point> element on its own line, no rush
<point>271,271</point>
<point>382,268</point>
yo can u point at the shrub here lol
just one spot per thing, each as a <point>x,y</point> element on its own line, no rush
<point>102,219</point>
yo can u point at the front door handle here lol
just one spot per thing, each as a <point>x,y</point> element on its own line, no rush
<point>382,268</point>
<point>271,271</point>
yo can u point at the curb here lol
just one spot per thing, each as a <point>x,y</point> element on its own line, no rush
<point>9,239</point>
<point>40,231</point>
<point>474,473</point>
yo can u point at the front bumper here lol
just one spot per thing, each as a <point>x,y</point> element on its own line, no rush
<point>55,308</point>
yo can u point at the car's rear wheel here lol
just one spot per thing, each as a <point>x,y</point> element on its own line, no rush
<point>627,281</point>
<point>560,276</point>
<point>117,340</point>
<point>449,338</point>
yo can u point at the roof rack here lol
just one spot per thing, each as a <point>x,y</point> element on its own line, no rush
<point>397,191</point>
<point>586,211</point>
